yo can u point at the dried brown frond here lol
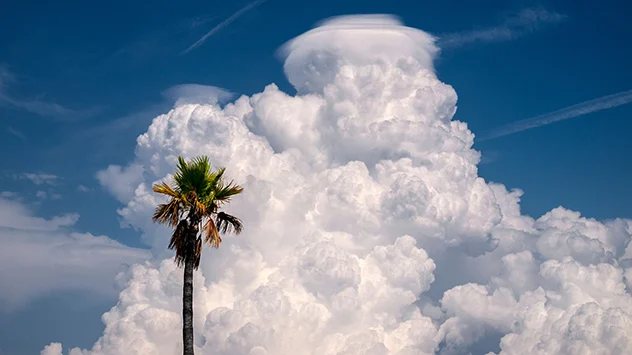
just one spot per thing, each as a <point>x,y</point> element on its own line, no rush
<point>168,213</point>
<point>211,234</point>
<point>178,241</point>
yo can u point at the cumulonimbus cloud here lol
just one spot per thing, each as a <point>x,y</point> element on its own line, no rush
<point>367,227</point>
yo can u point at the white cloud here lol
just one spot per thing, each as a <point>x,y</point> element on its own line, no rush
<point>17,216</point>
<point>8,194</point>
<point>583,330</point>
<point>39,178</point>
<point>196,94</point>
<point>40,255</point>
<point>43,195</point>
<point>517,25</point>
<point>368,229</point>
<point>52,349</point>
<point>121,181</point>
<point>313,59</point>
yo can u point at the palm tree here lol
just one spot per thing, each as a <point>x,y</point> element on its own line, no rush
<point>193,211</point>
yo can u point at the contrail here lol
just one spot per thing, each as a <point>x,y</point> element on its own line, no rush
<point>223,24</point>
<point>526,21</point>
<point>581,109</point>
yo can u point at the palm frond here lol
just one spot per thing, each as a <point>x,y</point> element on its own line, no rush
<point>193,176</point>
<point>168,213</point>
<point>165,189</point>
<point>181,171</point>
<point>178,241</point>
<point>215,178</point>
<point>211,234</point>
<point>228,223</point>
<point>196,196</point>
<point>200,208</point>
<point>224,193</point>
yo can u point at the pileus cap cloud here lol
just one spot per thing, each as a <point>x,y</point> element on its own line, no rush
<point>368,229</point>
<point>312,59</point>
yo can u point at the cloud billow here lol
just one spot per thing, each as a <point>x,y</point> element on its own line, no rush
<point>367,227</point>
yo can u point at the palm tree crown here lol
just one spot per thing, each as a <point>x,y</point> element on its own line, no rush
<point>193,209</point>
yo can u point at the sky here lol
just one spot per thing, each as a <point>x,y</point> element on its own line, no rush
<point>544,85</point>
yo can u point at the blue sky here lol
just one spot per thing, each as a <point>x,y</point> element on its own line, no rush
<point>79,82</point>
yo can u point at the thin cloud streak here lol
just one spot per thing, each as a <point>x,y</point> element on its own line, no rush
<point>40,108</point>
<point>577,110</point>
<point>48,109</point>
<point>39,178</point>
<point>223,24</point>
<point>524,22</point>
<point>156,43</point>
<point>16,133</point>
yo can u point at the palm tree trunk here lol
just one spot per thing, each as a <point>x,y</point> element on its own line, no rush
<point>187,299</point>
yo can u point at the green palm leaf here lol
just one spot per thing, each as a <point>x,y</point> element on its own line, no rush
<point>196,196</point>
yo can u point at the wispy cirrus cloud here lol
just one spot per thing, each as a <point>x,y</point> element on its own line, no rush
<point>517,25</point>
<point>39,178</point>
<point>581,109</point>
<point>155,42</point>
<point>16,133</point>
<point>36,106</point>
<point>41,108</point>
<point>223,24</point>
